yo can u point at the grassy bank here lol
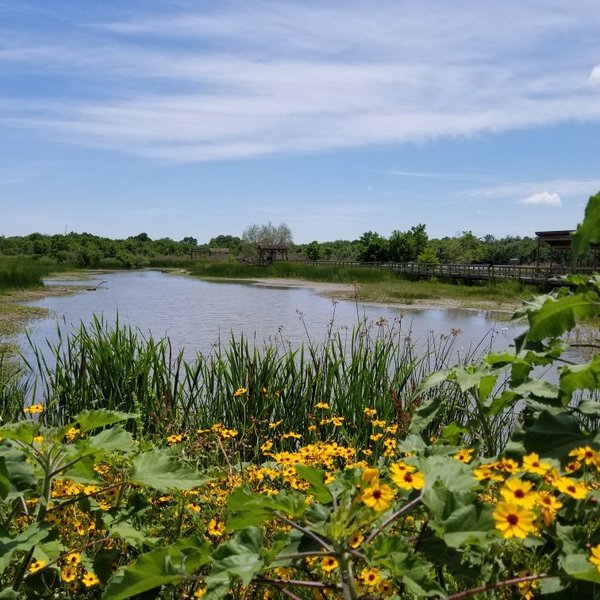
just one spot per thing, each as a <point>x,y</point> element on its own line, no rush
<point>378,285</point>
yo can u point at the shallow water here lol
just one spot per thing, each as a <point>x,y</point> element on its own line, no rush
<point>197,314</point>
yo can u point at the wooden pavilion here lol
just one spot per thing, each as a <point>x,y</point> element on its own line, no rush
<point>269,253</point>
<point>560,247</point>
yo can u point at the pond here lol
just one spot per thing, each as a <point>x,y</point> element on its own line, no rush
<point>197,314</point>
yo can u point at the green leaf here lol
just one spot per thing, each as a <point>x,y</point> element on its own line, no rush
<point>159,470</point>
<point>316,479</point>
<point>537,388</point>
<point>557,316</point>
<point>248,507</point>
<point>115,438</point>
<point>396,555</point>
<point>92,419</point>
<point>22,431</point>
<point>578,566</point>
<point>4,478</point>
<point>553,435</point>
<point>587,232</point>
<point>468,524</point>
<point>159,567</point>
<point>18,471</point>
<point>26,540</point>
<point>237,560</point>
<point>8,594</point>
<point>579,377</point>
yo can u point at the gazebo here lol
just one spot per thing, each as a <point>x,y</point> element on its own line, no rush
<point>560,243</point>
<point>268,253</point>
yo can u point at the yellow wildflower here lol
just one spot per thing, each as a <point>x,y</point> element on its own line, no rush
<point>465,455</point>
<point>240,392</point>
<point>68,573</point>
<point>378,497</point>
<point>329,563</point>
<point>595,557</point>
<point>215,528</point>
<point>572,488</point>
<point>322,406</point>
<point>370,577</point>
<point>517,491</point>
<point>90,579</point>
<point>532,464</point>
<point>513,520</point>
<point>33,409</point>
<point>36,565</point>
<point>585,453</point>
<point>369,412</point>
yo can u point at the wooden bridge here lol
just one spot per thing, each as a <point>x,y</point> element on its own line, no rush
<point>535,275</point>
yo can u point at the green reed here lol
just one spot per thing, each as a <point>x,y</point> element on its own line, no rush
<point>21,272</point>
<point>374,364</point>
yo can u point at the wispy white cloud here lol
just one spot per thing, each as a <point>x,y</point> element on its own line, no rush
<point>541,199</point>
<point>245,79</point>
<point>594,77</point>
<point>564,188</point>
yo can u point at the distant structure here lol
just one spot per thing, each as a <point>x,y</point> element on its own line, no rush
<point>269,253</point>
<point>218,253</point>
<point>560,247</point>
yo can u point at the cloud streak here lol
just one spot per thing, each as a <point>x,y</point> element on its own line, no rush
<point>241,80</point>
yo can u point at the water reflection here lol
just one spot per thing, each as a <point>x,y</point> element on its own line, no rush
<point>198,314</point>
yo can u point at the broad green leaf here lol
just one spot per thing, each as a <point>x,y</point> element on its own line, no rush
<point>589,407</point>
<point>316,479</point>
<point>468,524</point>
<point>248,508</point>
<point>159,567</point>
<point>578,566</point>
<point>587,232</point>
<point>397,556</point>
<point>19,472</point>
<point>237,560</point>
<point>557,316</point>
<point>115,438</point>
<point>92,419</point>
<point>22,431</point>
<point>4,478</point>
<point>579,377</point>
<point>26,540</point>
<point>554,435</point>
<point>159,470</point>
<point>8,594</point>
<point>452,432</point>
<point>537,388</point>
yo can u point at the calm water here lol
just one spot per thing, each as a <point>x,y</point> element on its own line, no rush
<point>195,314</point>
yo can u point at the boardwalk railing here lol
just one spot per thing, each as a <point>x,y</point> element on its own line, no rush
<point>468,272</point>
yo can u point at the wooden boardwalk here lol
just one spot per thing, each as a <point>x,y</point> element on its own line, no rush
<point>540,275</point>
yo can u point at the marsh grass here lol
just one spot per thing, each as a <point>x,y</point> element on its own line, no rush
<point>374,284</point>
<point>373,365</point>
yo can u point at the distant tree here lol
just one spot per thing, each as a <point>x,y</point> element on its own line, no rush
<point>406,246</point>
<point>189,241</point>
<point>268,234</point>
<point>226,241</point>
<point>313,250</point>
<point>372,247</point>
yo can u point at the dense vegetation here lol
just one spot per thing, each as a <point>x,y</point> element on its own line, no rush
<point>348,469</point>
<point>88,250</point>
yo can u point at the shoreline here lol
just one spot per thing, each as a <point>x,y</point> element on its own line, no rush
<point>348,291</point>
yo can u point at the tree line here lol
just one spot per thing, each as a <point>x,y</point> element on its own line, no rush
<point>412,245</point>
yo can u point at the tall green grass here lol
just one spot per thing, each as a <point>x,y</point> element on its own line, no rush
<point>21,272</point>
<point>373,365</point>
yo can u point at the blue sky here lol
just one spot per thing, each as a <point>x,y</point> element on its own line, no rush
<point>199,118</point>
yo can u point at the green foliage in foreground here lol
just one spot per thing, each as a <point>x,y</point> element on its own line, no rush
<point>89,509</point>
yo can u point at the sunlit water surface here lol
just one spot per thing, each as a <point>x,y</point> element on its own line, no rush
<point>197,314</point>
